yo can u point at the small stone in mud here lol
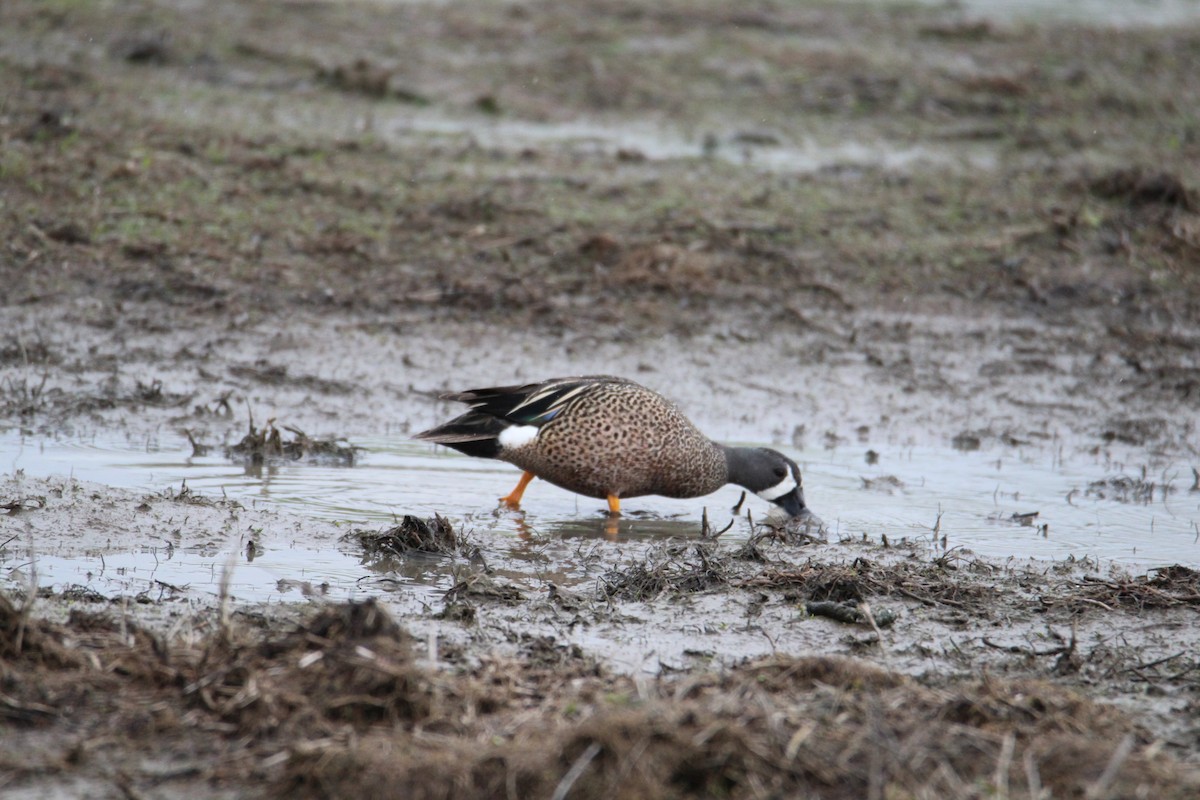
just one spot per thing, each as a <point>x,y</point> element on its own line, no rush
<point>850,613</point>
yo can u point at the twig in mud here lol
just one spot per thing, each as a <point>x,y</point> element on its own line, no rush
<point>581,763</point>
<point>1066,662</point>
<point>1003,763</point>
<point>1102,787</point>
<point>706,531</point>
<point>1032,776</point>
<point>198,448</point>
<point>1089,600</point>
<point>1156,662</point>
<point>929,601</point>
<point>27,602</point>
<point>11,708</point>
<point>737,509</point>
<point>886,618</point>
<point>224,598</point>
<point>1028,651</point>
<point>221,406</point>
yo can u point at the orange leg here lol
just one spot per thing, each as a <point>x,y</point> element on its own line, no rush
<point>614,505</point>
<point>513,498</point>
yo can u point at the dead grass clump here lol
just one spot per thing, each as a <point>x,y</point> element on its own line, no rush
<point>351,621</point>
<point>481,586</point>
<point>1122,489</point>
<point>366,77</point>
<point>1164,587</point>
<point>664,266</point>
<point>667,572</point>
<point>187,495</point>
<point>266,445</point>
<point>929,583</point>
<point>351,663</point>
<point>341,708</point>
<point>805,673</point>
<point>26,639</point>
<point>832,728</point>
<point>436,536</point>
<point>1146,187</point>
<point>549,653</point>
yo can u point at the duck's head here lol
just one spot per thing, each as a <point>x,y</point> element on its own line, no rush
<point>769,474</point>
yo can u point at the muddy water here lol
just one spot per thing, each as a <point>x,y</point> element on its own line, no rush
<point>1002,504</point>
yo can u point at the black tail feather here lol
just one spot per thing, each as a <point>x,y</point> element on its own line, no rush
<point>530,403</point>
<point>472,433</point>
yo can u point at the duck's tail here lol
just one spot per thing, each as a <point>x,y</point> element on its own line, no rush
<point>473,433</point>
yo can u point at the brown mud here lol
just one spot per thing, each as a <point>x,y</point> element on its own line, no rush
<point>876,226</point>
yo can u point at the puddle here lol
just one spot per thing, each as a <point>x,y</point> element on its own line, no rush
<point>657,144</point>
<point>1114,13</point>
<point>352,118</point>
<point>1121,13</point>
<point>1008,504</point>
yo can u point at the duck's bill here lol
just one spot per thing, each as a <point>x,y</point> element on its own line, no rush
<point>793,503</point>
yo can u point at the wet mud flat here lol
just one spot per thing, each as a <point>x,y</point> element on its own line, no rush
<point>877,665</point>
<point>873,227</point>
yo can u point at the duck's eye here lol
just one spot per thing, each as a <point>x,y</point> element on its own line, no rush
<point>780,471</point>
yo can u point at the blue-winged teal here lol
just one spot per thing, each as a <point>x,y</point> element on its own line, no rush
<point>609,438</point>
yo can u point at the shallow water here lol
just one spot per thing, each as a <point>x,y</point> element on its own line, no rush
<point>399,124</point>
<point>975,495</point>
<point>1114,13</point>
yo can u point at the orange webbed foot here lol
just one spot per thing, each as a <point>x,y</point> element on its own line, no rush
<point>513,498</point>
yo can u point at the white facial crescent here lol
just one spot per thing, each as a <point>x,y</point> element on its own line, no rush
<point>778,490</point>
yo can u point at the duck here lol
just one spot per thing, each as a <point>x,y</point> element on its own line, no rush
<point>609,438</point>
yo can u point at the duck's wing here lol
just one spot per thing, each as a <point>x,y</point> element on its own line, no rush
<point>499,408</point>
<point>531,403</point>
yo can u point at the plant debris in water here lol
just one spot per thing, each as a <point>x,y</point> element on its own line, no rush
<point>482,586</point>
<point>670,571</point>
<point>268,444</point>
<point>1123,489</point>
<point>435,535</point>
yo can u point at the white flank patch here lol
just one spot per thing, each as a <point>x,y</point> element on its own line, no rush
<point>517,436</point>
<point>775,492</point>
